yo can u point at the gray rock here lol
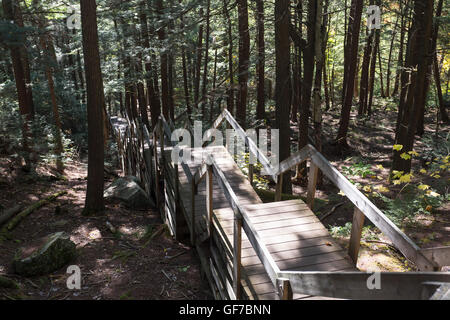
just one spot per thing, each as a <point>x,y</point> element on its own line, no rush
<point>128,191</point>
<point>55,251</point>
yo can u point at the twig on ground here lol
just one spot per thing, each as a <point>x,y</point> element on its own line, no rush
<point>175,256</point>
<point>329,213</point>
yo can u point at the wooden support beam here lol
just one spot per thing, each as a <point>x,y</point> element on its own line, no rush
<point>250,173</point>
<point>293,160</point>
<point>279,188</point>
<point>284,289</point>
<point>237,252</point>
<point>312,184</point>
<point>209,198</point>
<point>355,238</point>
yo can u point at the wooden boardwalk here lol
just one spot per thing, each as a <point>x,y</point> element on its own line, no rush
<point>290,230</point>
<point>254,250</point>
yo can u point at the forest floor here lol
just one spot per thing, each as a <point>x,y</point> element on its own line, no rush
<point>129,266</point>
<point>367,164</point>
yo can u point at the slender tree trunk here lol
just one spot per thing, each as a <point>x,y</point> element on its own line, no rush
<point>198,62</point>
<point>25,109</point>
<point>48,51</point>
<point>352,43</point>
<point>213,98</point>
<point>404,15</point>
<point>260,65</point>
<point>391,48</point>
<point>364,85</point>
<point>205,67</point>
<point>373,65</point>
<point>164,67</point>
<point>230,102</point>
<point>244,61</point>
<point>308,74</point>
<point>382,92</point>
<point>283,86</point>
<point>155,105</point>
<point>319,54</point>
<point>95,102</point>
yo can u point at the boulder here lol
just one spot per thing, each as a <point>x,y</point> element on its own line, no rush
<point>128,191</point>
<point>53,252</point>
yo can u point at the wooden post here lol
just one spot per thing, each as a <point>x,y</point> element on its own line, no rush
<point>209,198</point>
<point>312,183</point>
<point>279,188</point>
<point>355,238</point>
<point>237,239</point>
<point>284,289</point>
<point>250,173</point>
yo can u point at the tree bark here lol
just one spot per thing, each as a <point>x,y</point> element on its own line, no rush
<point>95,103</point>
<point>283,85</point>
<point>260,65</point>
<point>419,57</point>
<point>25,108</point>
<point>244,60</point>
<point>351,57</point>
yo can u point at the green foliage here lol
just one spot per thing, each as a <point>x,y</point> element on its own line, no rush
<point>358,169</point>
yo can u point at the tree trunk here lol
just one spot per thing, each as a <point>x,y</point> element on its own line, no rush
<point>46,48</point>
<point>244,60</point>
<point>25,108</point>
<point>198,62</point>
<point>373,66</point>
<point>351,57</point>
<point>230,102</point>
<point>260,65</point>
<point>95,102</point>
<point>205,67</point>
<point>155,105</point>
<point>419,54</point>
<point>283,86</point>
<point>391,48</point>
<point>164,66</point>
<point>308,74</point>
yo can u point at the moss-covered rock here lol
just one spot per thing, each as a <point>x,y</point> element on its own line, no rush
<point>128,191</point>
<point>56,251</point>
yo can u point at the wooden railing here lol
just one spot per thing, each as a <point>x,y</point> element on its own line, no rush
<point>348,285</point>
<point>408,285</point>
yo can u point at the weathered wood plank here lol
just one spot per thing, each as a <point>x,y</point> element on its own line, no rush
<point>440,255</point>
<point>354,285</point>
<point>355,238</point>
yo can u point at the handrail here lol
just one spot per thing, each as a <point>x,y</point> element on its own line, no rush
<point>354,285</point>
<point>240,213</point>
<point>378,218</point>
<point>251,145</point>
